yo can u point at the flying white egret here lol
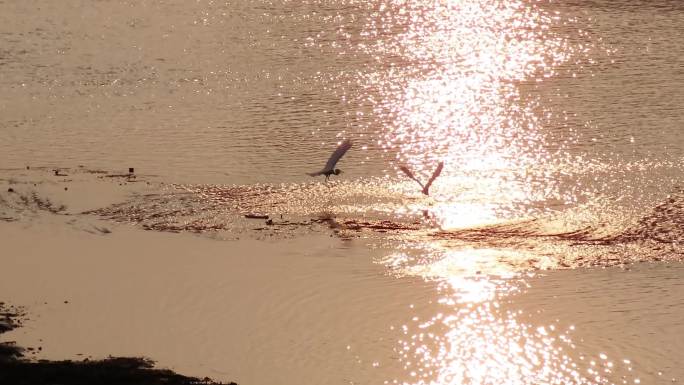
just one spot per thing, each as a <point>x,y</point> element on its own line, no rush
<point>329,168</point>
<point>434,176</point>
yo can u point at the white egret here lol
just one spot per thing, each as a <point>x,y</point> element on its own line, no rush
<point>329,168</point>
<point>434,176</point>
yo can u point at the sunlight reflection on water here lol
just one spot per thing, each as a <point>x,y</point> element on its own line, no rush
<point>479,336</point>
<point>449,91</point>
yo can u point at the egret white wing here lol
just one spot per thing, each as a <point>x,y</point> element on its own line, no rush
<point>434,176</point>
<point>410,174</point>
<point>339,153</point>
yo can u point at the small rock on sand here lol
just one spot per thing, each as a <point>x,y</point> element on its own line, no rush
<point>256,216</point>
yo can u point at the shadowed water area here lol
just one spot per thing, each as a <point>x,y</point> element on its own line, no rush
<point>559,124</point>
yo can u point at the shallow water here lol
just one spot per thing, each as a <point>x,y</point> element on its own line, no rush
<point>314,310</point>
<point>558,122</point>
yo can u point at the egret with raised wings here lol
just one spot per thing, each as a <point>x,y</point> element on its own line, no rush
<point>427,185</point>
<point>329,168</point>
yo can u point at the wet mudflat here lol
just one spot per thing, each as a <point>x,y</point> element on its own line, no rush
<point>347,210</point>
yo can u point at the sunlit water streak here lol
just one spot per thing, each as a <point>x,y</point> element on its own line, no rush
<point>478,336</point>
<point>449,89</point>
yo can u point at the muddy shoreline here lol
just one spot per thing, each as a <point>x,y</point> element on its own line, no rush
<point>16,368</point>
<point>347,211</point>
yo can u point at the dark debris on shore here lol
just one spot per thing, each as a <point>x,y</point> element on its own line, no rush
<point>16,369</point>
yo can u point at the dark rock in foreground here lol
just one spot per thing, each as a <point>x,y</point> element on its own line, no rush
<point>16,370</point>
<point>111,371</point>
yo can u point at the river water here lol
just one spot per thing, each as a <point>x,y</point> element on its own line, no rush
<point>559,124</point>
